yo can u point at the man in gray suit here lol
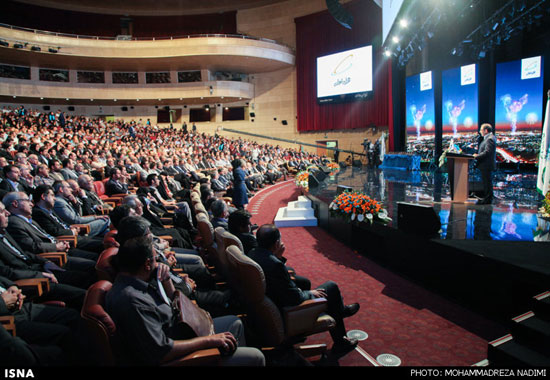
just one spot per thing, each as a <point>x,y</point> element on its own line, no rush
<point>486,162</point>
<point>68,209</point>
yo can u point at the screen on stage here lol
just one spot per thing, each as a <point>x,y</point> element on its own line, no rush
<point>345,76</point>
<point>420,115</point>
<point>459,91</point>
<point>519,109</point>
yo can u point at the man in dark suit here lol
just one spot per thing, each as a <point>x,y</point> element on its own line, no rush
<point>16,264</point>
<point>284,292</point>
<point>486,162</point>
<point>86,183</point>
<point>115,184</point>
<point>239,225</point>
<point>220,214</point>
<point>43,214</point>
<point>12,176</point>
<point>38,323</point>
<point>32,237</point>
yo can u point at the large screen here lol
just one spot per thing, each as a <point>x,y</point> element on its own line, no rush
<point>460,108</point>
<point>345,76</point>
<point>420,115</point>
<point>518,109</point>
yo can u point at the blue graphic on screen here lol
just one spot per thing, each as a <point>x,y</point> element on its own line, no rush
<point>518,109</point>
<point>420,112</point>
<point>512,226</point>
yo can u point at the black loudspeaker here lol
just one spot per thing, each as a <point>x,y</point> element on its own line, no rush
<point>417,219</point>
<point>341,188</point>
<point>70,108</point>
<point>46,108</point>
<point>315,177</point>
<point>252,114</point>
<point>124,108</point>
<point>284,122</point>
<point>339,13</point>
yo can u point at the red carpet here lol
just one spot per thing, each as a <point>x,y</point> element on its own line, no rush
<point>400,317</point>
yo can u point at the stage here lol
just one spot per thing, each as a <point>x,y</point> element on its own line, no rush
<point>490,257</point>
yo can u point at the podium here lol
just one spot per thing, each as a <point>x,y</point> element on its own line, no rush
<point>457,166</point>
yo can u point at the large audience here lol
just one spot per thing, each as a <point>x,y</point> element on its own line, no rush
<point>72,187</point>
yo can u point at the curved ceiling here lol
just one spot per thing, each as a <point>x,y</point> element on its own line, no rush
<point>150,7</point>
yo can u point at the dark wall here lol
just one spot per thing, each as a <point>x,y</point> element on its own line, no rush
<point>60,21</point>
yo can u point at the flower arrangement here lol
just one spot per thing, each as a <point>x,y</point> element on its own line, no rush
<point>334,167</point>
<point>545,209</point>
<point>302,179</point>
<point>358,206</point>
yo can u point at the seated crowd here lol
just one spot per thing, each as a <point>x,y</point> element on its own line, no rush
<point>75,188</point>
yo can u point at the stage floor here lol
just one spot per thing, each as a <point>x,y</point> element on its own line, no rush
<point>511,217</point>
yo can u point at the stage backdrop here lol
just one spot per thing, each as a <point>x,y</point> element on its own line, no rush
<point>320,34</point>
<point>518,109</point>
<point>460,108</point>
<point>420,115</point>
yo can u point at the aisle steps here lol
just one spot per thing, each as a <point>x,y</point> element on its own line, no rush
<point>296,214</point>
<point>528,343</point>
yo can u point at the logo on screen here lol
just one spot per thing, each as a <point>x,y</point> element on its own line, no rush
<point>530,68</point>
<point>467,74</point>
<point>343,66</point>
<point>426,81</point>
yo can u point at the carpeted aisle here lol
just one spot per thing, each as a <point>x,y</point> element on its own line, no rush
<point>400,318</point>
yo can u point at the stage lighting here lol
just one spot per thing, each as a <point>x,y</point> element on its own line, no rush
<point>52,50</point>
<point>18,46</point>
<point>35,48</point>
<point>404,23</point>
<point>495,26</point>
<point>4,43</point>
<point>395,39</point>
<point>481,54</point>
<point>387,53</point>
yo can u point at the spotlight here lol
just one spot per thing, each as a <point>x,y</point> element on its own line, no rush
<point>4,43</point>
<point>404,23</point>
<point>35,48</point>
<point>52,50</point>
<point>495,26</point>
<point>387,53</point>
<point>18,46</point>
<point>481,54</point>
<point>395,39</point>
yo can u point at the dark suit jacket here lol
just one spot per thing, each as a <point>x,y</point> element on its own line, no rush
<point>114,187</point>
<point>27,237</point>
<point>486,159</point>
<point>248,241</point>
<point>49,224</point>
<point>14,267</point>
<point>279,286</point>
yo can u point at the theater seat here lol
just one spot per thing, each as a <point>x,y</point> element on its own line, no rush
<point>206,233</point>
<point>102,329</point>
<point>109,240</point>
<point>104,267</point>
<point>275,328</point>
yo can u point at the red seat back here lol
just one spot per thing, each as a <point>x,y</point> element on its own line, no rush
<point>100,325</point>
<point>104,267</point>
<point>99,187</point>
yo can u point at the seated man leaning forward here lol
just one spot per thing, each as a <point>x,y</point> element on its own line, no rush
<point>139,305</point>
<point>283,291</point>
